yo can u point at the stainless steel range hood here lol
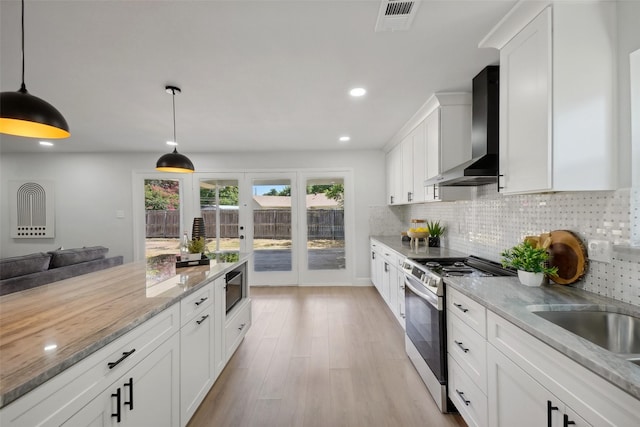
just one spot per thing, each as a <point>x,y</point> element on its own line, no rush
<point>483,167</point>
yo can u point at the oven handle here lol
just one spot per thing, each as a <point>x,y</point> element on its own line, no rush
<point>431,299</point>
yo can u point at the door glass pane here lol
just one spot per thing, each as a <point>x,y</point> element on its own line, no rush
<point>272,224</point>
<point>162,216</point>
<point>219,208</point>
<point>325,224</point>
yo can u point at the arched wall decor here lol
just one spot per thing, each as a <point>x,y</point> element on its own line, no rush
<point>32,210</point>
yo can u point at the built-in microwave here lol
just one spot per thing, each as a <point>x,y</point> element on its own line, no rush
<point>235,288</point>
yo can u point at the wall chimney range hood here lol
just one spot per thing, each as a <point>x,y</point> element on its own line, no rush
<point>483,167</point>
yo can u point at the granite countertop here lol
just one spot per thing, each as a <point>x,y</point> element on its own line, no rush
<point>423,252</point>
<point>509,299</point>
<point>47,329</point>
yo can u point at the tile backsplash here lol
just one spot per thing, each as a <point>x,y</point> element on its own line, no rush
<point>491,222</point>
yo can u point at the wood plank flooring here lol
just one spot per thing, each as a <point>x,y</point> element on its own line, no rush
<point>320,356</point>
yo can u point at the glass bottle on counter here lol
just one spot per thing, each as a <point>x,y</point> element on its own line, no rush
<point>184,247</point>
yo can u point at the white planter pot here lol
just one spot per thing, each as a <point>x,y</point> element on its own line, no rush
<point>192,257</point>
<point>530,279</point>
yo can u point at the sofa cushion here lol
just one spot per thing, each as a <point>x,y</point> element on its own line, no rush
<point>64,257</point>
<point>25,264</point>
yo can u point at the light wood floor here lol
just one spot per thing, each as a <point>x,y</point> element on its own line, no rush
<point>320,356</point>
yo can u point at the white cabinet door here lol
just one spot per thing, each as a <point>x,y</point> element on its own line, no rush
<point>514,398</point>
<point>156,388</point>
<point>197,362</point>
<point>525,108</point>
<point>146,396</point>
<point>406,169</point>
<point>419,138</point>
<point>391,177</point>
<point>386,281</point>
<point>220,317</point>
<point>432,124</point>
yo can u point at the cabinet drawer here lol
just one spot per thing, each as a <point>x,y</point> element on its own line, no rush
<point>469,311</point>
<point>192,305</point>
<point>57,399</point>
<point>469,349</point>
<point>237,327</point>
<point>467,397</point>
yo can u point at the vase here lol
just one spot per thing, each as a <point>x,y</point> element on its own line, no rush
<point>434,242</point>
<point>528,278</point>
<point>198,229</point>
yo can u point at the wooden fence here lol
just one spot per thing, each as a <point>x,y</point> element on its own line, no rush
<point>268,224</point>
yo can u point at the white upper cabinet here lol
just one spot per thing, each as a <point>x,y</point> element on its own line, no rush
<point>557,83</point>
<point>448,142</point>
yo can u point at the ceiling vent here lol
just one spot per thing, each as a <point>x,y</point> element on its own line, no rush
<point>396,15</point>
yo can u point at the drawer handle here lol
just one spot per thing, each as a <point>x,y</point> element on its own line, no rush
<point>118,413</point>
<point>126,354</point>
<point>203,299</point>
<point>550,409</point>
<point>461,394</point>
<point>242,326</point>
<point>202,319</point>
<point>466,350</point>
<point>460,307</point>
<point>567,422</point>
<point>130,402</point>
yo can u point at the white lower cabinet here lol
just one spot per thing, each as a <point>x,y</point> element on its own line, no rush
<point>467,357</point>
<point>146,396</point>
<point>518,399</point>
<point>238,323</point>
<point>532,384</point>
<point>388,278</point>
<point>197,362</point>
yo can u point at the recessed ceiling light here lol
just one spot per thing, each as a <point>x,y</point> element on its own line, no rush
<point>357,91</point>
<point>46,143</point>
<point>344,138</point>
<point>172,143</point>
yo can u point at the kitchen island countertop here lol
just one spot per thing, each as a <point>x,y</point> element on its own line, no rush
<point>47,329</point>
<point>506,297</point>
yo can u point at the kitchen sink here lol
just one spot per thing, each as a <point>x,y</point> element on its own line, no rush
<point>616,332</point>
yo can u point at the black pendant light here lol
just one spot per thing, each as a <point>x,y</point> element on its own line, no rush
<point>174,162</point>
<point>23,114</point>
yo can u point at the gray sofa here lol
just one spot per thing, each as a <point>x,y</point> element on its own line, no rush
<point>33,270</point>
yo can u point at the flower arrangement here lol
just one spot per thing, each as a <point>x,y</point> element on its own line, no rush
<point>526,257</point>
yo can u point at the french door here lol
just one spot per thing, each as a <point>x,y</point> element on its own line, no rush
<point>298,224</point>
<point>272,231</point>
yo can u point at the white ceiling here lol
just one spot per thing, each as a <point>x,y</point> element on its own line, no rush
<point>255,75</point>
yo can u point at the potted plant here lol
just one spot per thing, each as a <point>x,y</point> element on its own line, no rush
<point>435,232</point>
<point>530,261</point>
<point>196,248</point>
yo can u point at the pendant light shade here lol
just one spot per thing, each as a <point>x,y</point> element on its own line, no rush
<point>23,114</point>
<point>174,162</point>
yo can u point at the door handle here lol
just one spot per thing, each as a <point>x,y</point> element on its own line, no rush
<point>130,402</point>
<point>459,307</point>
<point>550,409</point>
<point>126,354</point>
<point>202,319</point>
<point>459,344</point>
<point>118,413</point>
<point>241,236</point>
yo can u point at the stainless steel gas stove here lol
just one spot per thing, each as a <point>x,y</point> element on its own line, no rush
<point>425,294</point>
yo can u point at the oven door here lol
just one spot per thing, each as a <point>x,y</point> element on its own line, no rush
<point>425,325</point>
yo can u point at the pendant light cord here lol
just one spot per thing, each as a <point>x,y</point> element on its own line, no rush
<point>173,91</point>
<point>23,88</point>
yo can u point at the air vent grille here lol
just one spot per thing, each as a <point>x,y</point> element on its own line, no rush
<point>396,15</point>
<point>398,8</point>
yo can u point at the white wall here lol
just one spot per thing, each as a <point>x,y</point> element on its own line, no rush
<point>90,188</point>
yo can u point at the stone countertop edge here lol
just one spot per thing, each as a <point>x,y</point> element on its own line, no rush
<point>513,301</point>
<point>402,248</point>
<point>19,391</point>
